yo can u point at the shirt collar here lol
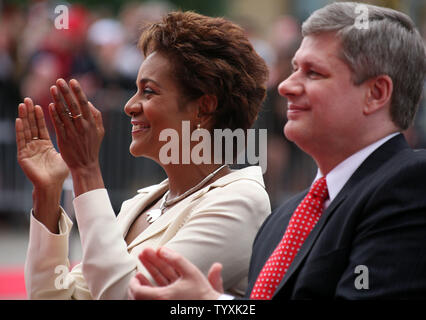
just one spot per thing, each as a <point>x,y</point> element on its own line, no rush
<point>338,177</point>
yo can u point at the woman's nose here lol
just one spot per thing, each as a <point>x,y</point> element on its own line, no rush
<point>132,107</point>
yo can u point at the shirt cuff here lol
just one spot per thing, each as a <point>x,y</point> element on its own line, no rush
<point>90,194</point>
<point>64,224</point>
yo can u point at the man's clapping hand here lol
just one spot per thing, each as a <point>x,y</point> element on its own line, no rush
<point>176,278</point>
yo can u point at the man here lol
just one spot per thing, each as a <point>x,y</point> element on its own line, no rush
<point>360,233</point>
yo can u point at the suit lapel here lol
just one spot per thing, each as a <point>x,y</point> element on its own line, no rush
<point>169,216</point>
<point>371,164</point>
<point>128,215</point>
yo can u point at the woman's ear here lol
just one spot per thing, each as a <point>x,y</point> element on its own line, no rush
<point>379,94</point>
<point>207,105</point>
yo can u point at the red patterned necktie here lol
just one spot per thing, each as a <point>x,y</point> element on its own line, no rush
<point>301,224</point>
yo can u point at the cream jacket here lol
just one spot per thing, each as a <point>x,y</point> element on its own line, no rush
<point>217,223</point>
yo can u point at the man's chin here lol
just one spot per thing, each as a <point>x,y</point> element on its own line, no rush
<point>292,130</point>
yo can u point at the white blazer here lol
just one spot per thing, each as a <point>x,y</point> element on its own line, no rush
<point>217,223</point>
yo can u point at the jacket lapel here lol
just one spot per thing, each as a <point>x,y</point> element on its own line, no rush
<point>165,219</point>
<point>178,212</point>
<point>132,210</point>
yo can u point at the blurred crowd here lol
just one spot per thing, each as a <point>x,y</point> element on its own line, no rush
<point>99,49</point>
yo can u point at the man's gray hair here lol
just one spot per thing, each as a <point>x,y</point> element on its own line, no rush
<point>390,45</point>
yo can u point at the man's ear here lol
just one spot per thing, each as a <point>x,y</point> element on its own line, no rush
<point>207,105</point>
<point>379,93</point>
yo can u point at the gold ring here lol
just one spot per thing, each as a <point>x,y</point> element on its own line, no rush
<point>76,116</point>
<point>35,138</point>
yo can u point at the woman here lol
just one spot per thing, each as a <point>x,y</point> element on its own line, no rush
<point>197,69</point>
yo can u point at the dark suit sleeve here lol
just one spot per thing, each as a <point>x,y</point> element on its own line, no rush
<point>390,241</point>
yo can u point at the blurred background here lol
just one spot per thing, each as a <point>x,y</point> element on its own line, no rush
<point>99,49</point>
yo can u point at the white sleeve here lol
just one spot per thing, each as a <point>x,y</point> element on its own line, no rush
<point>46,263</point>
<point>106,265</point>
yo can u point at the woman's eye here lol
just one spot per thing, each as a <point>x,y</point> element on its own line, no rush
<point>148,91</point>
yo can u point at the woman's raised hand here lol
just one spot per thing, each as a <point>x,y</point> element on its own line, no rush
<point>79,132</point>
<point>37,156</point>
<point>78,125</point>
<point>41,163</point>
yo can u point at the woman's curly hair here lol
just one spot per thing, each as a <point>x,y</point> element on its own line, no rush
<point>212,56</point>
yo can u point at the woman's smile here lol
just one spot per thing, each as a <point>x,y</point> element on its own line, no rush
<point>139,126</point>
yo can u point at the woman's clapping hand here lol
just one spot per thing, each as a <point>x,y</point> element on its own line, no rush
<point>78,125</point>
<point>37,156</point>
<point>41,163</point>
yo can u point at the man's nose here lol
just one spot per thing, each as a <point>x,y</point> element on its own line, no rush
<point>290,86</point>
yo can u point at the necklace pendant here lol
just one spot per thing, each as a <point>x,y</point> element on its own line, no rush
<point>153,215</point>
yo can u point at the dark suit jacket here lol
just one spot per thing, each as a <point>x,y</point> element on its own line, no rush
<point>378,220</point>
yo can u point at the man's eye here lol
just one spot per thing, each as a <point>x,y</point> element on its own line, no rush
<point>313,73</point>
